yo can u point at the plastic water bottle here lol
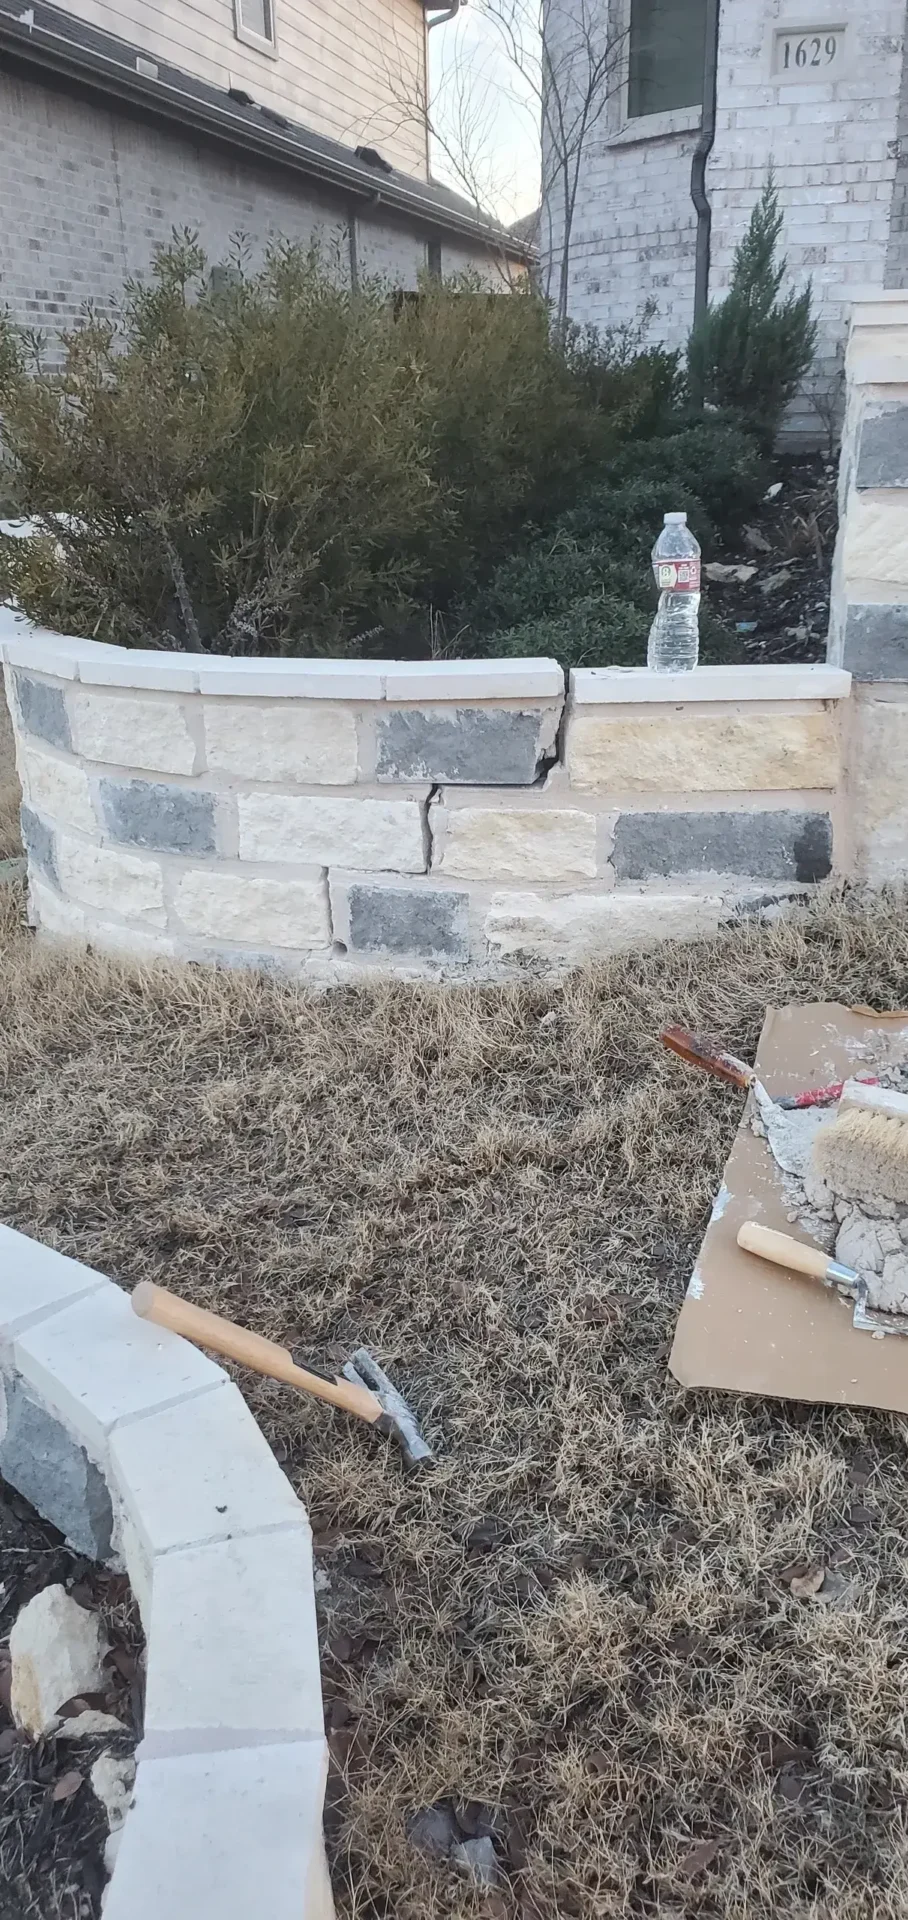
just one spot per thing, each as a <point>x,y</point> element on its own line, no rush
<point>674,638</point>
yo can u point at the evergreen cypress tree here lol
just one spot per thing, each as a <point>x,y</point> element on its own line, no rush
<point>752,350</point>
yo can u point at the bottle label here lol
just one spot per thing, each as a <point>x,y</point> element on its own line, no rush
<point>677,576</point>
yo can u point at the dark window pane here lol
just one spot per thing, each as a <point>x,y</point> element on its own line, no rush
<point>256,17</point>
<point>667,44</point>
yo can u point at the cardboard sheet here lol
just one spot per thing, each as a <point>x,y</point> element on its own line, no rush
<point>754,1328</point>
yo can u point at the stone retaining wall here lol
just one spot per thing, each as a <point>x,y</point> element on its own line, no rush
<point>336,817</point>
<point>145,1455</point>
<point>869,627</point>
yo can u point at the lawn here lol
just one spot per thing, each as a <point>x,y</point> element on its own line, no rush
<point>580,1632</point>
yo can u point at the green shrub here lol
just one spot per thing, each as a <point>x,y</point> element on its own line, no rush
<point>752,350</point>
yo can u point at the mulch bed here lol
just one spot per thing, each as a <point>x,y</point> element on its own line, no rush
<point>781,614</point>
<point>585,1637</point>
<point>52,1827</point>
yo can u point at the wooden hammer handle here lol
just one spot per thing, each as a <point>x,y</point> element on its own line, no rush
<point>782,1250</point>
<point>250,1349</point>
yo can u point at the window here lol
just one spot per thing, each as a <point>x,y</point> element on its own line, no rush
<point>255,23</point>
<point>665,56</point>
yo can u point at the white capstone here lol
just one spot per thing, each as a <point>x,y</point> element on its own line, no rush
<point>200,1471</point>
<point>56,1648</point>
<point>111,880</point>
<point>298,742</point>
<point>528,929</point>
<point>227,904</point>
<point>258,1677</point>
<point>132,732</point>
<point>321,830</point>
<point>36,1280</point>
<point>58,788</point>
<point>97,1363</point>
<point>224,1836</point>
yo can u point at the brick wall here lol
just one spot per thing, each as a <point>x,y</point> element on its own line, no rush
<point>832,143</point>
<point>98,190</point>
<point>897,253</point>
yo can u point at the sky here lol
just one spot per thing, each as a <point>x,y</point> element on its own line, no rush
<point>484,114</point>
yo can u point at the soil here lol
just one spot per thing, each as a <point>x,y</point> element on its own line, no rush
<point>781,614</point>
<point>52,1828</point>
<point>648,1644</point>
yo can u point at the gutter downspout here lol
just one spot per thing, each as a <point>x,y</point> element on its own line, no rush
<point>438,19</point>
<point>702,152</point>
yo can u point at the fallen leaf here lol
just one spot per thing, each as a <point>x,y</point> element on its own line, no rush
<point>700,1856</point>
<point>756,541</point>
<point>67,1785</point>
<point>805,1585</point>
<point>861,1517</point>
<point>9,1739</point>
<point>722,575</point>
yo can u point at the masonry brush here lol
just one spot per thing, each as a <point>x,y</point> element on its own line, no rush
<point>864,1150</point>
<point>363,1389</point>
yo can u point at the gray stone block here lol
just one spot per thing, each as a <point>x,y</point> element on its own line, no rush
<point>882,459</point>
<point>876,641</point>
<point>471,746</point>
<point>42,711</point>
<point>424,922</point>
<point>788,845</point>
<point>149,813</point>
<point>38,841</point>
<point>48,1467</point>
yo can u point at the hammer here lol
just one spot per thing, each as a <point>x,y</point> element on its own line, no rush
<point>363,1389</point>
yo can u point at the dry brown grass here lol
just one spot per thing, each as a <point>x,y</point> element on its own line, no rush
<point>10,843</point>
<point>581,1620</point>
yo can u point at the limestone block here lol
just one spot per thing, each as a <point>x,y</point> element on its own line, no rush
<point>430,923</point>
<point>42,710</point>
<point>696,752</point>
<point>226,904</point>
<point>111,881</point>
<point>48,1467</point>
<point>527,929</point>
<point>780,845</point>
<point>55,1648</point>
<point>222,1835</point>
<point>297,741</point>
<point>468,746</point>
<point>882,459</point>
<point>876,538</point>
<point>39,841</point>
<point>200,1471</point>
<point>877,787</point>
<point>876,640</point>
<point>261,1679</point>
<point>58,788</point>
<point>322,830</point>
<point>148,813</point>
<point>513,843</point>
<point>132,731</point>
<point>48,912</point>
<point>36,1280</point>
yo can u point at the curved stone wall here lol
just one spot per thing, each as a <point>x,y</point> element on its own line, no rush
<point>337,817</point>
<point>145,1455</point>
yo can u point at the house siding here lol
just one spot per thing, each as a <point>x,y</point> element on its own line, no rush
<point>343,67</point>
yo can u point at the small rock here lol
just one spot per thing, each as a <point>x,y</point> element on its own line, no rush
<point>756,541</point>
<point>478,1859</point>
<point>112,1781</point>
<point>56,1650</point>
<point>83,1725</point>
<point>433,1830</point>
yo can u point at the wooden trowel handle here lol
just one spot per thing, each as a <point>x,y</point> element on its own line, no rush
<point>250,1349</point>
<point>782,1250</point>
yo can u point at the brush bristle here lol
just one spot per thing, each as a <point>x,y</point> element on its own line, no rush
<point>863,1153</point>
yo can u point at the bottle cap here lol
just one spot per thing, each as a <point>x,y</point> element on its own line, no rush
<point>676,519</point>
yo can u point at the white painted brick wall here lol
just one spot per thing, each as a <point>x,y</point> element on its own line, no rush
<point>833,147</point>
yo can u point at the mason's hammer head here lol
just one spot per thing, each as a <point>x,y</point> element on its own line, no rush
<point>397,1418</point>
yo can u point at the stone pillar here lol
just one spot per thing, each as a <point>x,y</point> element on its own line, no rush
<point>869,617</point>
